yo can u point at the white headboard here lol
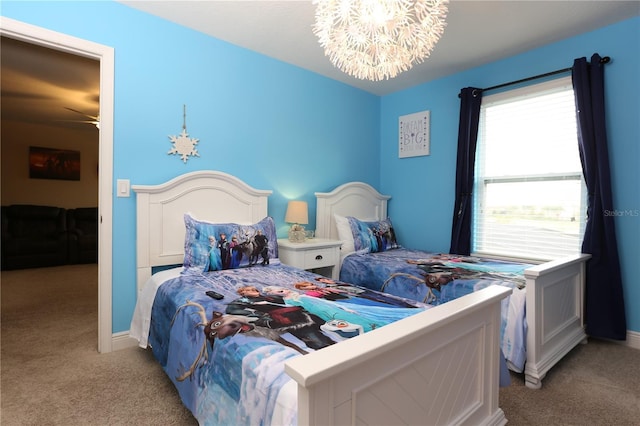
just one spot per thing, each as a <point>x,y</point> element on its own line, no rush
<point>357,199</point>
<point>208,195</point>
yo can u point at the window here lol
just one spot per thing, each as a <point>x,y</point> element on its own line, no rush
<point>529,194</point>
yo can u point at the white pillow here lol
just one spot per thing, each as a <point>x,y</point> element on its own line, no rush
<point>344,234</point>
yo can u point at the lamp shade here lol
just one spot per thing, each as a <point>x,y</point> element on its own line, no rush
<point>297,212</point>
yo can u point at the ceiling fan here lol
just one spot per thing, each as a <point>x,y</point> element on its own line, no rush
<point>92,119</point>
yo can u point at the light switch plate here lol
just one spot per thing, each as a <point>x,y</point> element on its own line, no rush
<point>123,188</point>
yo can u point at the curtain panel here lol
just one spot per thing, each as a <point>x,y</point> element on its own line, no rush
<point>604,298</point>
<point>470,101</point>
<point>604,306</point>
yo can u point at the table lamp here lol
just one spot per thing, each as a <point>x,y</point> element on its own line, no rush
<point>298,215</point>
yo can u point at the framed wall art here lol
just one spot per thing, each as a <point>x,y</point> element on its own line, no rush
<point>52,163</point>
<point>413,135</point>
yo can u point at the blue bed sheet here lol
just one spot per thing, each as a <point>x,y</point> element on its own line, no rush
<point>437,278</point>
<point>226,357</point>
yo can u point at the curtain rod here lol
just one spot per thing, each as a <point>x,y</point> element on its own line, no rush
<point>604,60</point>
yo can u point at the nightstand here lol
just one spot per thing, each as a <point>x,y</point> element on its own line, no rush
<point>319,255</point>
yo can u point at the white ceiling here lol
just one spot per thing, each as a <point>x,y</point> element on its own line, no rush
<point>477,32</point>
<point>37,84</point>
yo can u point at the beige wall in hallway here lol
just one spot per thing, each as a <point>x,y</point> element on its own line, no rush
<point>18,188</point>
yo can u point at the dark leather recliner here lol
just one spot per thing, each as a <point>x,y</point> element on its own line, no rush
<point>33,236</point>
<point>82,224</point>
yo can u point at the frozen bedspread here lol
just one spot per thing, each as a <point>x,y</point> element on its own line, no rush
<point>437,278</point>
<point>226,356</point>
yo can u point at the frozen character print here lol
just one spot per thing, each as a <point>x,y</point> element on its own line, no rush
<point>270,311</point>
<point>262,247</point>
<point>215,262</point>
<point>225,255</point>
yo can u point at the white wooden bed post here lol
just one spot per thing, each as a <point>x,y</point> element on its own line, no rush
<point>554,290</point>
<point>437,367</point>
<point>357,199</point>
<point>208,195</point>
<point>555,312</point>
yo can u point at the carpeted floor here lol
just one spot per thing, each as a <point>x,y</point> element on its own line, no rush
<point>595,384</point>
<point>52,374</point>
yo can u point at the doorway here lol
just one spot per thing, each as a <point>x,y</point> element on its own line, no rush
<point>105,55</point>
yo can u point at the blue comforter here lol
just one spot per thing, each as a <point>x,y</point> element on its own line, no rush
<point>436,278</point>
<point>226,355</point>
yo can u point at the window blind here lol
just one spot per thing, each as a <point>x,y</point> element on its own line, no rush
<point>529,194</point>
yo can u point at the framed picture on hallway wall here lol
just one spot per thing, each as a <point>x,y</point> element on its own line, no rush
<point>413,135</point>
<point>52,163</point>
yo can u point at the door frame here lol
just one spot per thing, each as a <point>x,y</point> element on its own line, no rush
<point>105,54</point>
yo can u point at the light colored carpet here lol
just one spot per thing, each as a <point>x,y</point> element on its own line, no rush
<point>595,384</point>
<point>52,374</point>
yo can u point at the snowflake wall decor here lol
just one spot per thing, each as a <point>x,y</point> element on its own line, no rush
<point>183,144</point>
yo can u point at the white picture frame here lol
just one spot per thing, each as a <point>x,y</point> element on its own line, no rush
<point>414,134</point>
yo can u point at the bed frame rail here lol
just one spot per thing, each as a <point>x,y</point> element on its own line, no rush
<point>555,314</point>
<point>437,367</point>
<point>555,290</point>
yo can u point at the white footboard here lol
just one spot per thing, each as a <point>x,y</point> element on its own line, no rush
<point>555,314</point>
<point>437,367</point>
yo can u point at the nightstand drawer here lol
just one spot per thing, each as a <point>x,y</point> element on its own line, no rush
<point>320,255</point>
<point>319,258</point>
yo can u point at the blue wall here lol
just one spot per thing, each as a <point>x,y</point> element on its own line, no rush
<point>273,125</point>
<point>279,127</point>
<point>422,187</point>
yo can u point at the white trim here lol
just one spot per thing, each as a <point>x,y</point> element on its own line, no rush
<point>58,41</point>
<point>122,340</point>
<point>633,339</point>
<point>509,258</point>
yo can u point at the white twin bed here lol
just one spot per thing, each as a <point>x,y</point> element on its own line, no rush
<point>439,366</point>
<point>554,290</point>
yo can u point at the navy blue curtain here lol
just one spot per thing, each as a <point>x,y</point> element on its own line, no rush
<point>470,101</point>
<point>604,306</point>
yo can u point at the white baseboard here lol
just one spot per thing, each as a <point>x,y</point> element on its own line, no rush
<point>633,339</point>
<point>122,341</point>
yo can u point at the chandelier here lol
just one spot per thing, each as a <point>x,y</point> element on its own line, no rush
<point>378,39</point>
